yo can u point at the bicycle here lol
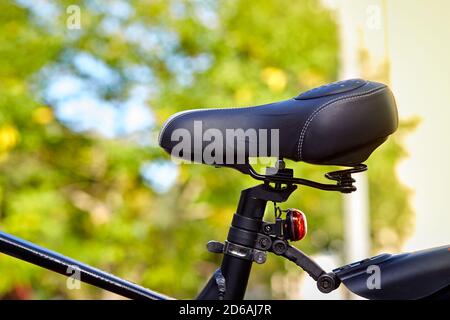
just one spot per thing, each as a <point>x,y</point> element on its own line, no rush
<point>340,124</point>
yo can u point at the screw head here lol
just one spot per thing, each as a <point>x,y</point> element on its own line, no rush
<point>259,257</point>
<point>280,164</point>
<point>279,247</point>
<point>327,283</point>
<point>268,228</point>
<point>264,243</point>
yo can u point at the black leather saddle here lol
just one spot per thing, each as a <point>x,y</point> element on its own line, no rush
<point>341,123</point>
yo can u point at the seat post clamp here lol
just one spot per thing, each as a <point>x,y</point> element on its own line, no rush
<point>237,251</point>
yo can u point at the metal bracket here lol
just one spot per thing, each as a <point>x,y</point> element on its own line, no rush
<point>326,282</point>
<point>274,229</point>
<point>281,175</point>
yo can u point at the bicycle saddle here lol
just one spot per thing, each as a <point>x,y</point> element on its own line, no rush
<point>416,275</point>
<point>341,123</point>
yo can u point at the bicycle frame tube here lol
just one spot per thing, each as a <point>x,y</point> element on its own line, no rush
<point>51,260</point>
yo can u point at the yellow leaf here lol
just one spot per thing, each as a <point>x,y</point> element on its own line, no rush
<point>43,115</point>
<point>275,78</point>
<point>9,137</point>
<point>243,96</point>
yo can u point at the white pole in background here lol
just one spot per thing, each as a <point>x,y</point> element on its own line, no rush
<point>355,205</point>
<point>356,220</point>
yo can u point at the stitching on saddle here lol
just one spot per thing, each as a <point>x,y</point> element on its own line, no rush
<point>324,106</point>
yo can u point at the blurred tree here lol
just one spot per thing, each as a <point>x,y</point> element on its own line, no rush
<point>77,177</point>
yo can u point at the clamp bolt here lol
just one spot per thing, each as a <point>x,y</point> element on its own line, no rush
<point>259,257</point>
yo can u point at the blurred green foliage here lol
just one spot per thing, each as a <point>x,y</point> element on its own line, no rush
<point>83,194</point>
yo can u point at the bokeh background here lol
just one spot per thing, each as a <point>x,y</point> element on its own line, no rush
<point>80,110</point>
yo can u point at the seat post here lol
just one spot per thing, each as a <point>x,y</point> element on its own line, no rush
<point>243,232</point>
<point>237,271</point>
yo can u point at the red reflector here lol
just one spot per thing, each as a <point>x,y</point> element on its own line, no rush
<point>295,226</point>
